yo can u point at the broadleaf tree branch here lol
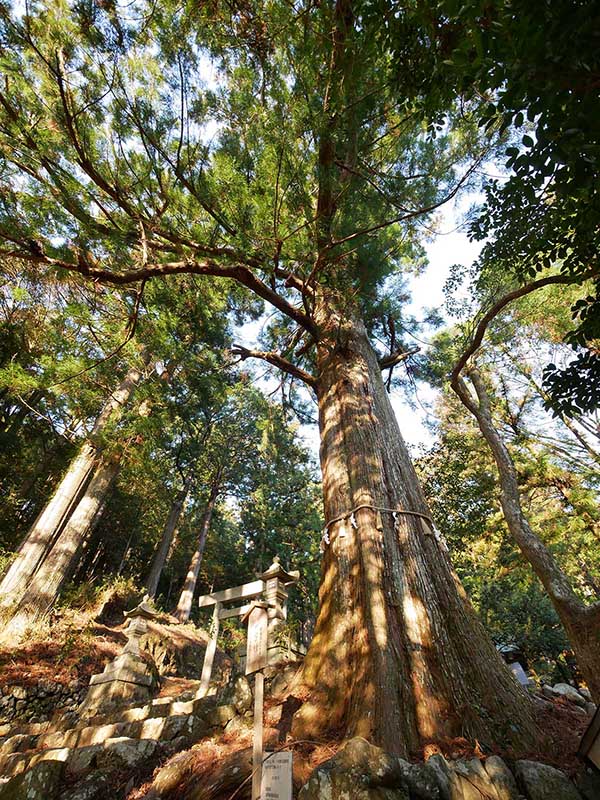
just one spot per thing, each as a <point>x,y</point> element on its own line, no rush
<point>500,304</point>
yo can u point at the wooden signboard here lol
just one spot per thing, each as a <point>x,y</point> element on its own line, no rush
<point>277,777</point>
<point>256,660</point>
<point>256,647</point>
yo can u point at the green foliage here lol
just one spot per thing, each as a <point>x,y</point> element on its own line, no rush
<point>91,596</point>
<point>293,151</point>
<point>461,486</point>
<point>556,461</point>
<point>533,70</point>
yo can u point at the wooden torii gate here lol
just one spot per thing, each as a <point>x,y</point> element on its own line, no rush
<point>270,587</point>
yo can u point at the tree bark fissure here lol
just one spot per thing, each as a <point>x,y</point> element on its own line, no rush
<point>581,622</point>
<point>398,654</point>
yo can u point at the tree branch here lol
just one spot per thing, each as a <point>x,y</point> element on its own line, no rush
<point>409,214</point>
<point>501,304</point>
<point>277,361</point>
<point>395,358</point>
<point>237,272</point>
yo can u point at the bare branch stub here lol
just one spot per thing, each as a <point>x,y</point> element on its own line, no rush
<point>395,358</point>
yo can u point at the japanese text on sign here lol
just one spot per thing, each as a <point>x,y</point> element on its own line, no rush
<point>277,777</point>
<point>256,648</point>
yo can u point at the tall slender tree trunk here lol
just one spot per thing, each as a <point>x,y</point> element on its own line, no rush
<point>168,534</point>
<point>125,555</point>
<point>398,655</point>
<point>43,531</point>
<point>61,505</point>
<point>581,622</point>
<point>184,605</point>
<point>56,568</point>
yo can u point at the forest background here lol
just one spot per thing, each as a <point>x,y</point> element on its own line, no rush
<point>196,473</point>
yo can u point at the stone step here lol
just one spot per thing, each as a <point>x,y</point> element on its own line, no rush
<point>18,751</point>
<point>114,752</point>
<point>12,728</point>
<point>164,728</point>
<point>164,720</point>
<point>159,707</point>
<point>15,763</point>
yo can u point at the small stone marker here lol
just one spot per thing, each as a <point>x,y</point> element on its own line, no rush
<point>277,777</point>
<point>128,678</point>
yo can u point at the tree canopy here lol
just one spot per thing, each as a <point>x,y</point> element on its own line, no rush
<point>212,162</point>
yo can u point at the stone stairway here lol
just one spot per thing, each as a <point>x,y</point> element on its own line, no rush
<point>83,753</point>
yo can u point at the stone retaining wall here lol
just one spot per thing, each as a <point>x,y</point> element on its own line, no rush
<point>39,702</point>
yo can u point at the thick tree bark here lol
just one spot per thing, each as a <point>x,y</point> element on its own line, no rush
<point>61,505</point>
<point>398,655</point>
<point>56,568</point>
<point>581,622</point>
<point>168,534</point>
<point>184,605</point>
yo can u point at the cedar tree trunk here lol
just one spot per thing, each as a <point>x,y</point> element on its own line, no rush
<point>61,505</point>
<point>57,567</point>
<point>399,656</point>
<point>184,606</point>
<point>168,534</point>
<point>581,622</point>
<point>46,527</point>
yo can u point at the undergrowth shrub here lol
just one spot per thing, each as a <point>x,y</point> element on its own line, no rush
<point>90,597</point>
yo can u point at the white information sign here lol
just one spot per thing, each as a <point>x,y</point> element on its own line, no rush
<point>277,777</point>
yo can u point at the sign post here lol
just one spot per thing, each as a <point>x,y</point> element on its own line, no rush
<point>263,618</point>
<point>590,744</point>
<point>256,661</point>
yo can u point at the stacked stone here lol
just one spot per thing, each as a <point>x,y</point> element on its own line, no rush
<point>39,702</point>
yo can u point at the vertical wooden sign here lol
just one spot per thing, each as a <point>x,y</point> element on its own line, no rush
<point>256,643</point>
<point>256,660</point>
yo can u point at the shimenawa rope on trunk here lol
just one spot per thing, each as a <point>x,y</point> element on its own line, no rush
<point>395,512</point>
